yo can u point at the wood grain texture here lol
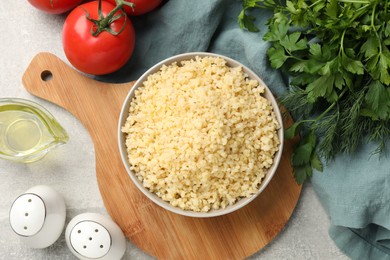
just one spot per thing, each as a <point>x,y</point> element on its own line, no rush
<point>158,232</point>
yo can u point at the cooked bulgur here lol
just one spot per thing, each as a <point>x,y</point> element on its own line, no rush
<point>200,135</point>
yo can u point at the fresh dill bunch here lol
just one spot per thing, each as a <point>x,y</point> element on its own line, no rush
<point>352,130</point>
<point>296,102</point>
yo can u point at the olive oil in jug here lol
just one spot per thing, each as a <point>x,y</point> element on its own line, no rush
<point>27,130</point>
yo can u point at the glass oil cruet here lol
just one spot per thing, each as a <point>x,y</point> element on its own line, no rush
<point>27,130</point>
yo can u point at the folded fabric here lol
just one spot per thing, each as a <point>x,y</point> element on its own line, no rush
<point>354,190</point>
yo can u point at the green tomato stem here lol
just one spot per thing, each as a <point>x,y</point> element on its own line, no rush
<point>103,23</point>
<point>106,20</point>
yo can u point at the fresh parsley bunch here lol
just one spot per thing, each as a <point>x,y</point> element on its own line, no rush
<point>336,53</point>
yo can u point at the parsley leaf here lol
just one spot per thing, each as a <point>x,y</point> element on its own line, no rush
<point>378,65</point>
<point>321,87</point>
<point>247,21</point>
<point>370,47</point>
<point>351,65</point>
<point>293,43</point>
<point>277,56</point>
<point>292,130</point>
<point>304,158</point>
<point>303,152</point>
<point>315,50</point>
<point>316,163</point>
<point>378,101</point>
<point>301,173</point>
<point>332,9</point>
<point>277,32</point>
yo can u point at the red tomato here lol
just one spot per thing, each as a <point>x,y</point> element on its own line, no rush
<point>101,54</point>
<point>55,6</point>
<point>141,6</point>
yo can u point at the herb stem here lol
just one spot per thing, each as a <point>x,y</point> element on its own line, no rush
<point>362,8</point>
<point>354,1</point>
<point>316,2</point>
<point>373,17</point>
<point>292,56</point>
<point>330,107</point>
<point>325,112</point>
<point>295,58</point>
<point>342,43</point>
<point>374,29</point>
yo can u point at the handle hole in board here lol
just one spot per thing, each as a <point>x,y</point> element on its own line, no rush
<point>46,75</point>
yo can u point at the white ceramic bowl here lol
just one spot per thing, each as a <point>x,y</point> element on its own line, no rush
<point>122,138</point>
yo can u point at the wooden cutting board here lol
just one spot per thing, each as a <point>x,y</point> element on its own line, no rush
<point>156,231</point>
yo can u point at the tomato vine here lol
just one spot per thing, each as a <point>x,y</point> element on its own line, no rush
<point>103,23</point>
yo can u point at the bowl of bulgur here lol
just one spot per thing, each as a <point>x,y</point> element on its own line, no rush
<point>200,134</point>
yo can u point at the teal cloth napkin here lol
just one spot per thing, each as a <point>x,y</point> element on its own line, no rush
<point>354,190</point>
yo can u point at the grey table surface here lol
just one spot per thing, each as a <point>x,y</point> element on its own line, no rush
<point>70,169</point>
